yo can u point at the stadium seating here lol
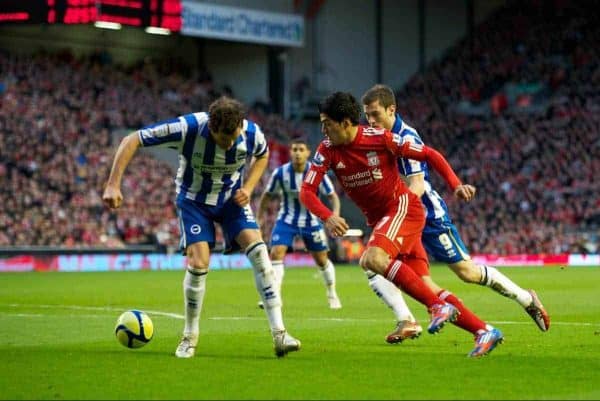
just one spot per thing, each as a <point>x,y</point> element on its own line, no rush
<point>514,107</point>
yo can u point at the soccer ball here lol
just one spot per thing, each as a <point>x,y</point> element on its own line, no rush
<point>134,329</point>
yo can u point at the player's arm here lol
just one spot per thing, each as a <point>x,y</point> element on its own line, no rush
<point>435,159</point>
<point>267,196</point>
<point>439,163</point>
<point>334,201</point>
<point>412,171</point>
<point>263,205</point>
<point>112,196</point>
<point>326,187</point>
<point>258,165</point>
<point>168,133</point>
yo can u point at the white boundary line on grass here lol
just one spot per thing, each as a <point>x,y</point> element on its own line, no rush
<point>96,308</point>
<point>181,317</point>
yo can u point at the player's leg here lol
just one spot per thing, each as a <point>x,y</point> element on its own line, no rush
<point>264,277</point>
<point>443,242</point>
<point>393,236</point>
<point>491,277</point>
<point>328,273</point>
<point>377,259</point>
<point>277,259</point>
<point>240,227</point>
<point>486,336</point>
<point>315,241</point>
<point>197,235</point>
<point>282,238</point>
<point>277,256</point>
<point>406,324</point>
<point>389,292</point>
<point>466,320</point>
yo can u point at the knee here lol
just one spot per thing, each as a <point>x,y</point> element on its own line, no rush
<point>197,259</point>
<point>321,259</point>
<point>198,264</point>
<point>374,260</point>
<point>278,252</point>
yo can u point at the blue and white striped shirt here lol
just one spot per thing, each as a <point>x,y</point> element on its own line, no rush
<point>286,182</point>
<point>207,173</point>
<point>435,207</point>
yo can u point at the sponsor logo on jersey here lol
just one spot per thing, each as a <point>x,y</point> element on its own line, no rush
<point>340,165</point>
<point>357,179</point>
<point>224,169</point>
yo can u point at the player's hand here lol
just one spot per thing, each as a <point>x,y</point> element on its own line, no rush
<point>241,197</point>
<point>465,192</point>
<point>336,225</point>
<point>112,197</point>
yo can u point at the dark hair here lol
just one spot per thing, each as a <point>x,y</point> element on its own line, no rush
<point>341,105</point>
<point>226,115</point>
<point>384,94</point>
<point>299,141</point>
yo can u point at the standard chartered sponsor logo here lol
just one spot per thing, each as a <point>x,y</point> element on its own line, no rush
<point>357,179</point>
<point>356,176</point>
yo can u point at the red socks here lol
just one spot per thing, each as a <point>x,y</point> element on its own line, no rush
<point>404,277</point>
<point>467,320</point>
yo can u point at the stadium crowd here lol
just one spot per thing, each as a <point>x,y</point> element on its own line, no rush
<point>56,117</point>
<point>535,170</point>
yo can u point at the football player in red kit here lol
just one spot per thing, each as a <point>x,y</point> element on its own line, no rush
<point>364,161</point>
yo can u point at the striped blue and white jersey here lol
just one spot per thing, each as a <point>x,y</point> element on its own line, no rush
<point>435,207</point>
<point>286,182</point>
<point>207,173</point>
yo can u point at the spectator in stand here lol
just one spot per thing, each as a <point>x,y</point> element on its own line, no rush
<point>552,192</point>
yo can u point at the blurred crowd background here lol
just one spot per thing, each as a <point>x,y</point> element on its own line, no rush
<point>515,107</point>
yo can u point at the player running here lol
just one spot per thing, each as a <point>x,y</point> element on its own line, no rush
<point>440,236</point>
<point>364,161</point>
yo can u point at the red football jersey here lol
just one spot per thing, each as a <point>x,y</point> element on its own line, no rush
<point>368,172</point>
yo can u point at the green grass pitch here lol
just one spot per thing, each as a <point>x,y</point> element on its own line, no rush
<point>57,340</point>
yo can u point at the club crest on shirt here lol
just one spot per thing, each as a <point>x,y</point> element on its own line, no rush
<point>372,159</point>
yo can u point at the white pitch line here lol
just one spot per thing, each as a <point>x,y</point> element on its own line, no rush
<point>79,315</point>
<point>181,317</point>
<point>96,308</point>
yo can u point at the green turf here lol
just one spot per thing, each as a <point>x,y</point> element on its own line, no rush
<point>57,340</point>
